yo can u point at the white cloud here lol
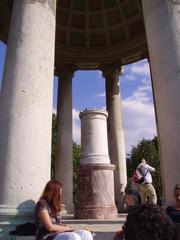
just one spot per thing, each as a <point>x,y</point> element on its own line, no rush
<point>76,126</point>
<point>101,94</point>
<point>54,111</point>
<point>139,117</point>
<point>130,72</point>
<point>129,77</point>
<point>141,94</point>
<point>138,109</point>
<point>146,81</point>
<point>97,73</point>
<point>141,68</point>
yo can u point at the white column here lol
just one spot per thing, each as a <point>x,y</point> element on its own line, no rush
<point>26,106</point>
<point>115,127</point>
<point>64,162</point>
<point>94,143</point>
<point>162,22</point>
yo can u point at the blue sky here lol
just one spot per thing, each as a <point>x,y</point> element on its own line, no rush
<point>89,92</point>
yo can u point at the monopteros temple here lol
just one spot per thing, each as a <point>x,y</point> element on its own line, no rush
<point>46,38</point>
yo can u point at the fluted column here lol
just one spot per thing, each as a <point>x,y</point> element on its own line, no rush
<point>26,108</point>
<point>64,162</point>
<point>115,128</point>
<point>162,23</point>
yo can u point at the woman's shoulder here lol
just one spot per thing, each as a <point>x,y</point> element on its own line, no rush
<point>41,205</point>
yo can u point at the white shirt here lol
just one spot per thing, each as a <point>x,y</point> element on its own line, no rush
<point>146,171</point>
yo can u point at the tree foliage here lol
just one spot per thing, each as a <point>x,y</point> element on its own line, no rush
<point>147,149</point>
<point>53,144</point>
<point>76,158</point>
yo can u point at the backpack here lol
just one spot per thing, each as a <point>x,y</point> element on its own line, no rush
<point>26,229</point>
<point>137,176</point>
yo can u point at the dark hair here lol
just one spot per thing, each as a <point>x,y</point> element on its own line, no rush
<point>51,194</point>
<point>149,222</point>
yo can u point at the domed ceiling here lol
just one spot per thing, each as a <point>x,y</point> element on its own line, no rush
<point>90,33</point>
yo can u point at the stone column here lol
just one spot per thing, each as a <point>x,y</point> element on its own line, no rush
<point>64,162</point>
<point>116,141</point>
<point>26,109</point>
<point>95,178</point>
<point>162,22</point>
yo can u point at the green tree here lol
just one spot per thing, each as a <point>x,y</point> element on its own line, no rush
<point>76,158</point>
<point>147,149</point>
<point>53,144</point>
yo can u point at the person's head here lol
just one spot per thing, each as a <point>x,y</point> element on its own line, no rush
<point>132,195</point>
<point>177,194</point>
<point>143,161</point>
<point>52,194</point>
<point>131,199</point>
<point>148,222</point>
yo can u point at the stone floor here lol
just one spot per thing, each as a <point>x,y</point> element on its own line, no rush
<point>102,229</point>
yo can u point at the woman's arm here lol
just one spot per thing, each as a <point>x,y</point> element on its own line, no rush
<point>46,221</point>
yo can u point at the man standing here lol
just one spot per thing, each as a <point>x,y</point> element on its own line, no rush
<point>146,188</point>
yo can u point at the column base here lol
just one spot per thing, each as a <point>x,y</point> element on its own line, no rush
<point>96,212</point>
<point>10,217</point>
<point>95,192</point>
<point>122,206</point>
<point>67,209</point>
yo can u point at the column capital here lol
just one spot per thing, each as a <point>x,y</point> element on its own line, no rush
<point>110,70</point>
<point>65,70</point>
<point>51,4</point>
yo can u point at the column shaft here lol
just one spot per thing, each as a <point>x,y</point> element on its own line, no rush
<point>26,111</point>
<point>162,22</point>
<point>64,162</point>
<point>116,140</point>
<point>26,103</point>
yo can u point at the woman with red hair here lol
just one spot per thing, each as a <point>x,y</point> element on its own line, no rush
<point>49,226</point>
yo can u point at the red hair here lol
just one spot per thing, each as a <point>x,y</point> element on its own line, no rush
<point>52,195</point>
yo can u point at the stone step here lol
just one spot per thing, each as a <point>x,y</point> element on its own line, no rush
<point>102,229</point>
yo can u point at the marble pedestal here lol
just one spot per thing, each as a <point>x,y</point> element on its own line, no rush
<point>95,192</point>
<point>95,174</point>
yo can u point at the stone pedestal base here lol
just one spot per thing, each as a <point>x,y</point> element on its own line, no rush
<point>95,192</point>
<point>67,209</point>
<point>11,217</point>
